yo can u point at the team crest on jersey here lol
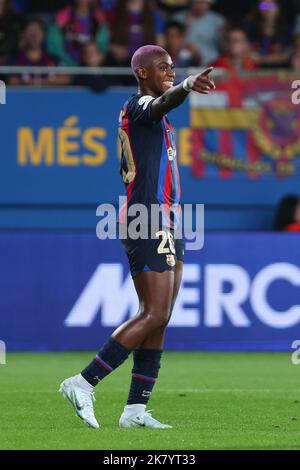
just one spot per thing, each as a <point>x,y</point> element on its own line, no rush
<point>170,260</point>
<point>145,100</point>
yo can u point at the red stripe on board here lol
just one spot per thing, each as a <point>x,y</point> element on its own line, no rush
<point>253,154</point>
<point>225,147</point>
<point>234,90</point>
<point>197,140</point>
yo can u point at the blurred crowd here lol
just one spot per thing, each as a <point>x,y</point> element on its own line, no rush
<point>232,34</point>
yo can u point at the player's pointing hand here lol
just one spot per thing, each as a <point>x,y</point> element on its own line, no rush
<point>201,83</point>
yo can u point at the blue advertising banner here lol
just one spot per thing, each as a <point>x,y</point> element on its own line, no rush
<point>59,146</point>
<point>69,292</point>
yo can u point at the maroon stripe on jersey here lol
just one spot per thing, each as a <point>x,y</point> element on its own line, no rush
<point>175,184</point>
<point>168,176</point>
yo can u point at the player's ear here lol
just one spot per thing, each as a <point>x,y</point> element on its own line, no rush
<point>141,73</point>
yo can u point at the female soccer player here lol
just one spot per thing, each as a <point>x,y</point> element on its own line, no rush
<point>150,173</point>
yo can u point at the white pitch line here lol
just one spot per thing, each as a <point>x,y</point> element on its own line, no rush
<point>230,390</point>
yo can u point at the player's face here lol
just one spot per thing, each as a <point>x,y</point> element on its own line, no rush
<point>91,55</point>
<point>237,44</point>
<point>33,35</point>
<point>161,74</point>
<point>174,38</point>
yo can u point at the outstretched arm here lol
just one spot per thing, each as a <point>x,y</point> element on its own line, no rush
<point>172,98</point>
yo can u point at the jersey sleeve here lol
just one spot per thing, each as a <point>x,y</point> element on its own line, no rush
<point>139,109</point>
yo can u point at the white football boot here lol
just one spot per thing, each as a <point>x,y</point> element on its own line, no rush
<point>80,393</point>
<point>136,416</point>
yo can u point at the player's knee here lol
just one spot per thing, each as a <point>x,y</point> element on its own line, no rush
<point>158,318</point>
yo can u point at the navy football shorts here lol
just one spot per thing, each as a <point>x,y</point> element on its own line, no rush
<point>159,254</point>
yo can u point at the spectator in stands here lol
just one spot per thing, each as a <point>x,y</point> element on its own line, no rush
<point>10,26</point>
<point>269,35</point>
<point>237,52</point>
<point>182,55</point>
<point>136,23</point>
<point>205,29</point>
<point>32,52</point>
<point>75,25</point>
<point>288,214</point>
<point>92,57</point>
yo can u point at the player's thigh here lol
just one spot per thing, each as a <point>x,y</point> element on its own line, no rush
<point>155,291</point>
<point>179,252</point>
<point>177,280</point>
<point>155,340</point>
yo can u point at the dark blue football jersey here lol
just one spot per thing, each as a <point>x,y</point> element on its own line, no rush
<point>148,162</point>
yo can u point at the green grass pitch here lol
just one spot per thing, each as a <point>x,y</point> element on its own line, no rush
<point>213,401</point>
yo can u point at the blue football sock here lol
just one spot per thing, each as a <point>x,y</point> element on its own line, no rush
<point>111,356</point>
<point>144,375</point>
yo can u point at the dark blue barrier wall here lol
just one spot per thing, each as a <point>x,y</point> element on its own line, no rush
<point>59,160</point>
<point>63,292</point>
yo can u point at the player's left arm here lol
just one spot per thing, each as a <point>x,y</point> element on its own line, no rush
<point>175,96</point>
